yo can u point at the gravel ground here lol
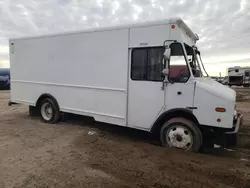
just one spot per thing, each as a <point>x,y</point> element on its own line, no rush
<point>84,153</point>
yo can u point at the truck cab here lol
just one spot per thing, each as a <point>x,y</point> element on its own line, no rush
<point>207,108</point>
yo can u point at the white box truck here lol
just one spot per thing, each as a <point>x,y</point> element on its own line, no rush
<point>147,76</point>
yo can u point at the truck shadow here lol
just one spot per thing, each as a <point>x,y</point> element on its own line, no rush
<point>114,130</point>
<point>142,136</point>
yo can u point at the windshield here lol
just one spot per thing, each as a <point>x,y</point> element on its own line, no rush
<point>195,62</point>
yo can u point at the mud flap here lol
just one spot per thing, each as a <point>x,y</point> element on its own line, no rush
<point>230,138</point>
<point>11,103</point>
<point>33,111</point>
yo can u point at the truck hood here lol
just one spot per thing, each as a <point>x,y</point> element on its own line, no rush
<point>217,89</point>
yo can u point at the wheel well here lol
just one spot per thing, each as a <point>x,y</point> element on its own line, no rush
<point>185,113</point>
<point>44,96</point>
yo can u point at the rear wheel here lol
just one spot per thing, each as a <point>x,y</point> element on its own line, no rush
<point>49,111</point>
<point>182,134</point>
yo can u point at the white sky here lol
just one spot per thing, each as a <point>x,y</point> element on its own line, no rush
<point>223,25</point>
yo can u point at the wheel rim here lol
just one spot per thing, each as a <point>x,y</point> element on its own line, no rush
<point>179,137</point>
<point>46,111</point>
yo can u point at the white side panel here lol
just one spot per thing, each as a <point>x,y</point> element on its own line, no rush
<point>179,95</point>
<point>210,95</point>
<point>86,73</point>
<point>149,36</point>
<point>146,101</point>
<point>180,35</point>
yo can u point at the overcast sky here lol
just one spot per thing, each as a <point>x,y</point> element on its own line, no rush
<point>222,25</point>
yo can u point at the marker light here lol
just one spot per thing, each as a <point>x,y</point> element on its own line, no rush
<point>172,26</point>
<point>220,109</point>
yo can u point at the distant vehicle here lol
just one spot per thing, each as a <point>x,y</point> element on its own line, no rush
<point>225,80</point>
<point>214,78</point>
<point>239,76</point>
<point>4,79</point>
<point>220,79</point>
<point>146,76</point>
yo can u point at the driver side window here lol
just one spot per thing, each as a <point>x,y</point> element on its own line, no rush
<point>178,69</point>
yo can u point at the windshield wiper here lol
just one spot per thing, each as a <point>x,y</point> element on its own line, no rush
<point>199,54</point>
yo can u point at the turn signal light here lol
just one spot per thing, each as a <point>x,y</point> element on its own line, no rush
<point>220,109</point>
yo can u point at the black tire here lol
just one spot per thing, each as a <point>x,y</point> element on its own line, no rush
<point>55,111</point>
<point>190,130</point>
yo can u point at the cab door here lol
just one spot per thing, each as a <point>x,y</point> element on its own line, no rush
<point>180,88</point>
<point>146,96</point>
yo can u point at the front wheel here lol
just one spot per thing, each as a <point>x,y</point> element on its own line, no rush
<point>49,111</point>
<point>181,133</point>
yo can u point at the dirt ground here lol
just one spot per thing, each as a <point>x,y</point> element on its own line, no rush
<point>84,153</point>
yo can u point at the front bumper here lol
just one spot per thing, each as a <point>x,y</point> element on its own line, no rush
<point>230,138</point>
<point>237,123</point>
<point>225,137</point>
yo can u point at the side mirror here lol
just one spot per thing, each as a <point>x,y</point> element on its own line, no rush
<point>167,53</point>
<point>165,72</point>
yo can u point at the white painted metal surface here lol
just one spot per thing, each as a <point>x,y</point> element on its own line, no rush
<point>84,74</point>
<point>144,106</point>
<point>182,100</point>
<point>89,73</point>
<point>209,95</point>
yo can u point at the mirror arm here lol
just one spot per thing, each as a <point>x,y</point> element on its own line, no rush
<point>164,84</point>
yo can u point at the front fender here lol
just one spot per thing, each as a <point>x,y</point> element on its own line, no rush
<point>176,112</point>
